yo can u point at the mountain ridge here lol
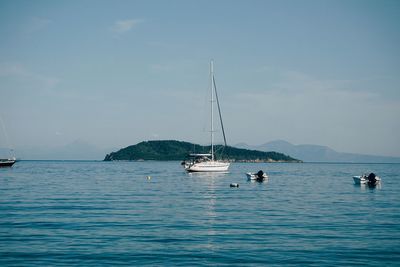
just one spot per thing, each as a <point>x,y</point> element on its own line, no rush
<point>318,153</point>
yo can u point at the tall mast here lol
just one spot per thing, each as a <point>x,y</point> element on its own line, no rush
<point>212,110</point>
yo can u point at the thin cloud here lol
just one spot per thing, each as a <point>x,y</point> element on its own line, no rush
<point>123,26</point>
<point>19,72</point>
<point>161,67</point>
<point>172,66</point>
<point>36,24</point>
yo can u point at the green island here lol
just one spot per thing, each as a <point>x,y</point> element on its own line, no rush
<point>179,150</point>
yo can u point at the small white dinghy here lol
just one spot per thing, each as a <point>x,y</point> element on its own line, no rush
<point>370,179</point>
<point>258,176</point>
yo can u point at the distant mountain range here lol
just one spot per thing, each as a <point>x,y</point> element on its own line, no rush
<point>316,153</point>
<point>77,150</point>
<point>178,150</point>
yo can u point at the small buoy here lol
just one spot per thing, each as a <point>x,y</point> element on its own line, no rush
<point>148,177</point>
<point>234,185</point>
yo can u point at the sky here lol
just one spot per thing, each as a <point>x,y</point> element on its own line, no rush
<point>114,73</point>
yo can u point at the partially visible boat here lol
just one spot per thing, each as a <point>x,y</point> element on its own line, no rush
<point>258,176</point>
<point>370,179</point>
<point>7,162</point>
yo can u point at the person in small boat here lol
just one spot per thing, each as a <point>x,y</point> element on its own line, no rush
<point>371,178</point>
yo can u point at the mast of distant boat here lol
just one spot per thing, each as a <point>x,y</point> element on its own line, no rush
<point>212,109</point>
<point>11,151</point>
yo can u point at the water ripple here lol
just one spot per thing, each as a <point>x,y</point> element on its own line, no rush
<point>109,213</point>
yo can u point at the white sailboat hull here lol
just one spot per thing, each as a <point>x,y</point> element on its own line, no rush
<point>7,162</point>
<point>207,166</point>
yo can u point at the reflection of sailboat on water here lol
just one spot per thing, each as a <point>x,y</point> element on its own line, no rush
<point>208,162</point>
<point>10,160</point>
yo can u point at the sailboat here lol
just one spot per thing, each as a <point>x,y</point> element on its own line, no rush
<point>9,161</point>
<point>208,162</point>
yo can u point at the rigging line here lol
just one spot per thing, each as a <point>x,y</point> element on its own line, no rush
<point>7,143</point>
<point>219,110</point>
<point>4,131</point>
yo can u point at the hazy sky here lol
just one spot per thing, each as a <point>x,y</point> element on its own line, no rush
<point>114,73</point>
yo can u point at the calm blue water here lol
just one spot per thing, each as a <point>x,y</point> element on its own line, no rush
<point>109,213</point>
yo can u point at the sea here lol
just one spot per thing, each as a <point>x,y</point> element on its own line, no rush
<point>152,213</point>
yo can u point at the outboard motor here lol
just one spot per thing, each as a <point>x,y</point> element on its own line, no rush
<point>371,178</point>
<point>260,176</point>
